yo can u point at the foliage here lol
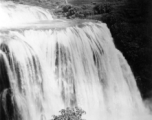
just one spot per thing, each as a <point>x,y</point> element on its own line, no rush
<point>85,10</point>
<point>71,12</point>
<point>130,29</point>
<point>69,114</point>
<point>102,8</point>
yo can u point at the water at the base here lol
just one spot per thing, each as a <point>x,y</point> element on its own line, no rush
<point>49,67</point>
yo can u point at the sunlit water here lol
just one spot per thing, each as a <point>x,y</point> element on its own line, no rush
<point>45,67</point>
<point>12,14</point>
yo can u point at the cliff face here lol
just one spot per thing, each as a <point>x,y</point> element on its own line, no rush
<point>131,26</point>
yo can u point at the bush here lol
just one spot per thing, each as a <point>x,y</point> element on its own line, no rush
<point>69,114</point>
<point>66,8</point>
<point>102,8</point>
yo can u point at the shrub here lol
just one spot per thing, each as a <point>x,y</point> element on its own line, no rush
<point>102,8</point>
<point>69,114</point>
<point>66,8</point>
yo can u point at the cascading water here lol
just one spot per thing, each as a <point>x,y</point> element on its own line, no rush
<point>51,65</point>
<point>13,14</point>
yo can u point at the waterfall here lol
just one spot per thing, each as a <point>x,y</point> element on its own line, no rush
<point>13,14</point>
<point>51,65</point>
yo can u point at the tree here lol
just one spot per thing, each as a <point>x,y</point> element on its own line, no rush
<point>69,114</point>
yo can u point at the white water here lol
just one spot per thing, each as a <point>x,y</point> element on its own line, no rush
<point>13,14</point>
<point>52,67</point>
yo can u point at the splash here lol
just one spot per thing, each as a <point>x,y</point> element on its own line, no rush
<point>13,14</point>
<point>51,65</point>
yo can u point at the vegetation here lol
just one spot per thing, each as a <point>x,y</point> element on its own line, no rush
<point>83,11</point>
<point>72,12</point>
<point>70,114</point>
<point>130,26</point>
